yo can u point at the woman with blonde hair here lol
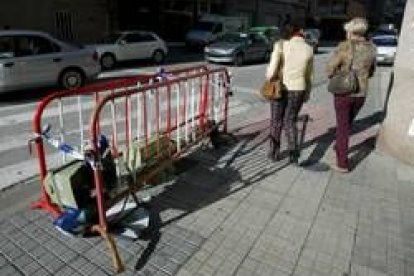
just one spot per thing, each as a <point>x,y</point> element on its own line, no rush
<point>358,54</point>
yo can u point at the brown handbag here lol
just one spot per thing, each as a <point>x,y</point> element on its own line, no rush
<point>344,82</point>
<point>272,89</point>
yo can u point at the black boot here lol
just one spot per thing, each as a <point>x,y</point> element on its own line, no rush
<point>294,157</point>
<point>274,153</point>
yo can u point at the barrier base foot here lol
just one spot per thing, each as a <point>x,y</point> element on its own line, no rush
<point>45,205</point>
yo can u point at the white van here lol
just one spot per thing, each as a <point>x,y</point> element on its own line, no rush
<point>210,26</point>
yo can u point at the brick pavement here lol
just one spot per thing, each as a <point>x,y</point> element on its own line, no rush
<point>233,212</point>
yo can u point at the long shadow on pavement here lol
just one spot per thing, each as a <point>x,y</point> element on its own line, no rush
<point>206,176</point>
<point>324,141</point>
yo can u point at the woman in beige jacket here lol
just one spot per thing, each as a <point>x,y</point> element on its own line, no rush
<point>297,66</point>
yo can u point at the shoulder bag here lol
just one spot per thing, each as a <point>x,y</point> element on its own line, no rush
<point>272,89</point>
<point>344,82</point>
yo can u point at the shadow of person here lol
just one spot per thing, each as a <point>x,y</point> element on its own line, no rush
<point>206,176</point>
<point>361,151</point>
<point>151,234</point>
<point>324,141</point>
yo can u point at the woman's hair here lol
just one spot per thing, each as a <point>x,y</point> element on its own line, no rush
<point>358,26</point>
<point>291,29</point>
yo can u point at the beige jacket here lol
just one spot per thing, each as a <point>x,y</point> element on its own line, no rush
<point>363,62</point>
<point>298,64</point>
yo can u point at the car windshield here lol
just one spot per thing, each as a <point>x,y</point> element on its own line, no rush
<point>385,41</point>
<point>112,38</point>
<point>385,32</point>
<point>204,26</point>
<point>233,38</point>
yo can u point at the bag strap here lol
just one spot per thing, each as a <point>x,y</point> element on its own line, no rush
<point>281,60</point>
<point>351,64</point>
<point>281,55</point>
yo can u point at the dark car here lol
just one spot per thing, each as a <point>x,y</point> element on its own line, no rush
<point>237,48</point>
<point>272,33</point>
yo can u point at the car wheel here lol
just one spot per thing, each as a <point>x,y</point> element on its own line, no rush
<point>267,56</point>
<point>158,56</point>
<point>239,59</point>
<point>108,61</point>
<point>71,78</point>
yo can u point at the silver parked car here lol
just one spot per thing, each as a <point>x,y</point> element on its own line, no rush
<point>31,59</point>
<point>131,45</point>
<point>312,38</point>
<point>386,48</point>
<point>238,48</point>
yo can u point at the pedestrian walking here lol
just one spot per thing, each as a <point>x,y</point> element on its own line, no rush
<point>357,55</point>
<point>296,57</point>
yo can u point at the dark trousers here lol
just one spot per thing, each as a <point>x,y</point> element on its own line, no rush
<point>284,112</point>
<point>346,109</point>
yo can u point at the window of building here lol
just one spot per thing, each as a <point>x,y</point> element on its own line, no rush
<point>64,25</point>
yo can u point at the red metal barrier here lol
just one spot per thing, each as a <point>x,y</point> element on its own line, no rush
<point>203,115</point>
<point>165,116</point>
<point>176,118</point>
<point>98,90</point>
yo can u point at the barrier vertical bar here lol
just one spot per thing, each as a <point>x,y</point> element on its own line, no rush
<point>114,128</point>
<point>61,126</point>
<point>98,126</point>
<point>193,103</point>
<point>81,124</point>
<point>128,121</point>
<point>200,104</point>
<point>157,115</point>
<point>204,104</point>
<point>226,84</point>
<point>185,112</point>
<point>145,123</point>
<point>177,117</point>
<point>168,111</point>
<point>217,96</point>
<point>138,118</point>
<point>149,107</point>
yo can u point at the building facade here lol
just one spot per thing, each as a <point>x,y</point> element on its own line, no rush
<point>269,12</point>
<point>73,20</point>
<point>88,20</point>
<point>386,12</point>
<point>330,15</point>
<point>172,19</point>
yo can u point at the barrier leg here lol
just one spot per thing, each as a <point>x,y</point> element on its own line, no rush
<point>44,204</point>
<point>116,258</point>
<point>44,201</point>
